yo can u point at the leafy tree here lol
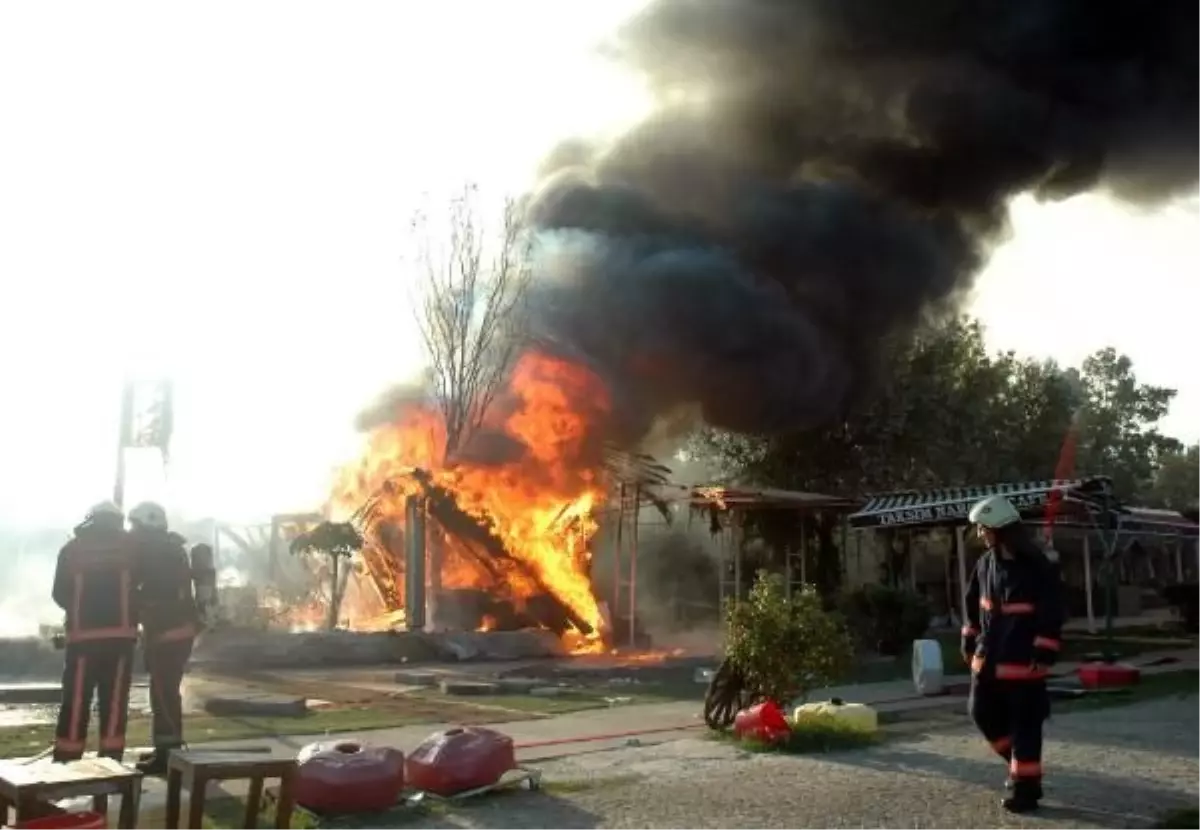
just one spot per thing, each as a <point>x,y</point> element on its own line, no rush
<point>786,647</point>
<point>1177,481</point>
<point>338,541</point>
<point>942,412</point>
<point>1119,434</point>
<point>884,619</point>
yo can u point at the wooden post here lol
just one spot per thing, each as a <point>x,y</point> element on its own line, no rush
<point>414,565</point>
<point>960,538</point>
<point>843,554</point>
<point>615,608</point>
<point>735,542</point>
<point>803,549</point>
<point>912,562</point>
<point>787,569</point>
<point>633,552</point>
<point>858,571</point>
<point>1087,582</point>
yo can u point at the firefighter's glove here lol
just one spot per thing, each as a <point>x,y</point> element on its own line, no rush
<point>968,644</point>
<point>1045,651</point>
<point>1044,658</point>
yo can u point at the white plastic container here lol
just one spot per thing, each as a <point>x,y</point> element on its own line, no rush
<point>928,671</point>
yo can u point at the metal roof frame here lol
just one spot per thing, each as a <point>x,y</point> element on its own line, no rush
<point>950,506</point>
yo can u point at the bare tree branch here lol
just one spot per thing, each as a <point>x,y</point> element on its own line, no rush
<point>470,307</point>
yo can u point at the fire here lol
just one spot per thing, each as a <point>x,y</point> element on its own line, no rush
<point>533,479</point>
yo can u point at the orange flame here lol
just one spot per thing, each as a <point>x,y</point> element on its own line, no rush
<point>538,501</point>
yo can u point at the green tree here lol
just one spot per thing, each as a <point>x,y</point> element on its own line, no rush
<point>1119,435</point>
<point>942,412</point>
<point>338,541</point>
<point>1177,480</point>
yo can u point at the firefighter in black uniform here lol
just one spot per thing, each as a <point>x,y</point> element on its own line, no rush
<point>168,614</point>
<point>1010,639</point>
<point>94,583</point>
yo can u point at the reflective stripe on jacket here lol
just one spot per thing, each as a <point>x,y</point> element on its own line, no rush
<point>1014,617</point>
<point>95,584</point>
<point>168,609</point>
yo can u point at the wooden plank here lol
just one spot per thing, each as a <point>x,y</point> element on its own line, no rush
<point>23,774</point>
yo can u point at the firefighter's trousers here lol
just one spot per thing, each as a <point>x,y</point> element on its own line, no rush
<point>165,663</point>
<point>100,671</point>
<point>1010,714</point>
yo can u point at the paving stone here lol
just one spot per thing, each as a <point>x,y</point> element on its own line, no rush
<point>256,705</point>
<point>468,687</point>
<point>517,685</point>
<point>25,694</point>
<point>413,677</point>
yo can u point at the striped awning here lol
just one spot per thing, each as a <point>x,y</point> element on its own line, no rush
<point>950,506</point>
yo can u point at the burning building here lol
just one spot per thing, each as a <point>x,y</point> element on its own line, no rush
<point>514,526</point>
<point>817,178</point>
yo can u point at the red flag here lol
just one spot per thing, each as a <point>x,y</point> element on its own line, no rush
<point>1065,471</point>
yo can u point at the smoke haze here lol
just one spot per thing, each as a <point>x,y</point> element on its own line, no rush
<point>820,174</point>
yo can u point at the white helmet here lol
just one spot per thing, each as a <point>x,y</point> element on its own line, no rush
<point>994,512</point>
<point>104,509</point>
<point>148,515</point>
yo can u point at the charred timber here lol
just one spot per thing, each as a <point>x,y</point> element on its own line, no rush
<point>485,548</point>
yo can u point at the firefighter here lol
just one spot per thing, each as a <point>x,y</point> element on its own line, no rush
<point>1010,640</point>
<point>168,614</point>
<point>94,583</point>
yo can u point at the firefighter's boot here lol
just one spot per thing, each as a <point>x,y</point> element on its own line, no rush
<point>1037,787</point>
<point>154,763</point>
<point>1024,796</point>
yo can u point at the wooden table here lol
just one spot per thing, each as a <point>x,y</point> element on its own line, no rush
<point>30,788</point>
<point>192,769</point>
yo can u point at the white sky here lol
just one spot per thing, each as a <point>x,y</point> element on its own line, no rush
<point>220,192</point>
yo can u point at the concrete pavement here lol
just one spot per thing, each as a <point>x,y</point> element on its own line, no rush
<point>605,730</point>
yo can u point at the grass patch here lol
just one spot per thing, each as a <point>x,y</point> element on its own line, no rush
<point>1076,648</point>
<point>810,734</point>
<point>1179,684</point>
<point>17,741</point>
<point>570,700</point>
<point>429,707</point>
<point>1180,819</point>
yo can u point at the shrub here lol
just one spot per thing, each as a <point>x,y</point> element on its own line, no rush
<point>785,647</point>
<point>1185,600</point>
<point>885,619</point>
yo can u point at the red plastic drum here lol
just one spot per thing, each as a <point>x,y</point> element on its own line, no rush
<point>1108,675</point>
<point>461,759</point>
<point>349,777</point>
<point>762,722</point>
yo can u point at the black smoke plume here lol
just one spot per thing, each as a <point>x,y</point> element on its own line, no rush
<point>819,174</point>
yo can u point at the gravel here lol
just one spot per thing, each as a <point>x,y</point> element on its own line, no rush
<point>1120,767</point>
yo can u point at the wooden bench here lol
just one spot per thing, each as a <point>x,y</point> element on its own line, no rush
<point>31,788</point>
<point>193,769</point>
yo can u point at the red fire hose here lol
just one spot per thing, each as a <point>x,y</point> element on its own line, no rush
<point>606,737</point>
